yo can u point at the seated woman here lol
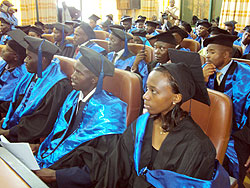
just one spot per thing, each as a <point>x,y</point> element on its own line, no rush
<point>165,140</point>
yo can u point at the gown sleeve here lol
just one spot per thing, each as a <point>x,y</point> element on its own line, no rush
<point>39,124</point>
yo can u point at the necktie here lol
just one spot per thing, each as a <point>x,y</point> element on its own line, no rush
<point>218,75</point>
<point>113,60</point>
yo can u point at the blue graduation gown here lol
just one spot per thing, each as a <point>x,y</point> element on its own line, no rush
<point>9,80</point>
<point>4,39</point>
<point>237,87</point>
<point>126,63</point>
<point>98,28</point>
<point>154,33</point>
<point>67,49</point>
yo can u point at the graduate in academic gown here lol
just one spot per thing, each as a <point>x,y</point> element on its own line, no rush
<point>12,67</point>
<point>126,22</point>
<point>32,115</point>
<point>60,32</point>
<point>83,135</point>
<point>122,58</point>
<point>230,27</point>
<point>35,32</point>
<point>151,27</point>
<point>92,22</point>
<point>139,37</point>
<point>179,35</point>
<point>232,78</point>
<point>82,36</point>
<point>163,42</point>
<point>5,26</point>
<point>165,147</point>
<point>202,27</point>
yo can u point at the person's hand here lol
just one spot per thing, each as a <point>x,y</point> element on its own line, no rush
<point>139,57</point>
<point>46,174</point>
<point>208,70</point>
<point>247,165</point>
<point>34,148</point>
<point>4,132</point>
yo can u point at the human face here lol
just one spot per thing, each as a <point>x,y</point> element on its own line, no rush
<point>215,55</point>
<point>115,44</point>
<point>171,3</point>
<point>8,54</point>
<point>140,25</point>
<point>202,31</point>
<point>82,79</point>
<point>92,23</point>
<point>229,29</point>
<point>33,34</point>
<point>80,36</point>
<point>178,38</point>
<point>57,35</point>
<point>4,28</point>
<point>159,96</point>
<point>150,29</point>
<point>161,51</point>
<point>31,61</point>
<point>137,40</point>
<point>126,25</point>
<point>246,38</point>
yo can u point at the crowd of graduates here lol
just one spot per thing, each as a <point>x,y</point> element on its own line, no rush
<point>86,142</point>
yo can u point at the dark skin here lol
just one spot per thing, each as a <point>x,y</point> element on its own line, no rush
<point>92,23</point>
<point>31,66</point>
<point>127,25</point>
<point>10,56</point>
<point>58,35</point>
<point>115,44</point>
<point>84,80</point>
<point>80,36</point>
<point>150,29</point>
<point>246,38</point>
<point>161,51</point>
<point>34,34</point>
<point>4,28</point>
<point>202,31</point>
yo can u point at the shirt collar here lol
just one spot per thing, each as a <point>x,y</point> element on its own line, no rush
<point>84,99</point>
<point>225,68</point>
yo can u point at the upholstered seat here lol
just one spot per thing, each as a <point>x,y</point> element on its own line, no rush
<point>49,37</point>
<point>101,34</point>
<point>193,45</point>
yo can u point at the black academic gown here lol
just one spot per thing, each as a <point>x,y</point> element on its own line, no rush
<point>40,122</point>
<point>67,49</point>
<point>187,150</point>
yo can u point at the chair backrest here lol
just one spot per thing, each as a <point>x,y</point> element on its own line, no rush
<point>70,39</point>
<point>49,37</point>
<point>124,84</point>
<point>193,45</point>
<point>247,61</point>
<point>160,31</point>
<point>135,48</point>
<point>102,43</point>
<point>215,120</point>
<point>101,34</point>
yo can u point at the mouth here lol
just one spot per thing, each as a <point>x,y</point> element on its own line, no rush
<point>146,106</point>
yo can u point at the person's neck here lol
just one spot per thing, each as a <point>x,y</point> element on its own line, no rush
<point>87,91</point>
<point>119,49</point>
<point>205,36</point>
<point>12,64</point>
<point>226,62</point>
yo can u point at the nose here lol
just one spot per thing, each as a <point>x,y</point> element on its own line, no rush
<point>146,96</point>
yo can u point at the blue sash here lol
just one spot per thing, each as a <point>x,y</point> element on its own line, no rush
<point>9,80</point>
<point>104,114</point>
<point>170,179</point>
<point>34,93</point>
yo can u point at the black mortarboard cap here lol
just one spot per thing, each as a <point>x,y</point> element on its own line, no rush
<point>247,28</point>
<point>142,17</point>
<point>94,17</point>
<point>39,23</point>
<point>152,23</point>
<point>74,23</point>
<point>204,23</point>
<point>93,61</point>
<point>140,20</point>
<point>4,20</point>
<point>221,39</point>
<point>24,28</point>
<point>41,47</point>
<point>120,34</point>
<point>18,36</point>
<point>126,18</point>
<point>217,31</point>
<point>181,32</point>
<point>49,26</point>
<point>107,23</point>
<point>117,26</point>
<point>110,16</point>
<point>61,27</point>
<point>36,30</point>
<point>230,23</point>
<point>88,30</point>
<point>186,70</point>
<point>165,37</point>
<point>139,32</point>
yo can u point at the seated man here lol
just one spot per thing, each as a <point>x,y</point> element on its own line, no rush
<point>60,32</point>
<point>92,22</point>
<point>122,58</point>
<point>230,27</point>
<point>106,25</point>
<point>35,32</point>
<point>12,68</point>
<point>151,28</point>
<point>139,23</point>
<point>164,41</point>
<point>5,26</point>
<point>82,36</point>
<point>126,22</point>
<point>245,42</point>
<point>87,127</point>
<point>72,25</point>
<point>32,115</point>
<point>202,27</point>
<point>187,27</point>
<point>139,36</point>
<point>232,78</point>
<point>179,35</point>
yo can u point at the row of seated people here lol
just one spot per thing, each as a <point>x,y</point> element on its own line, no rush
<point>162,39</point>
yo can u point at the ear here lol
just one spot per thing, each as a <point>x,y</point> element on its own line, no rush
<point>16,57</point>
<point>94,80</point>
<point>177,98</point>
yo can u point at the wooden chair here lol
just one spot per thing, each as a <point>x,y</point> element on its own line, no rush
<point>193,45</point>
<point>49,37</point>
<point>101,34</point>
<point>215,120</point>
<point>124,84</point>
<point>247,61</point>
<point>135,48</point>
<point>102,43</point>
